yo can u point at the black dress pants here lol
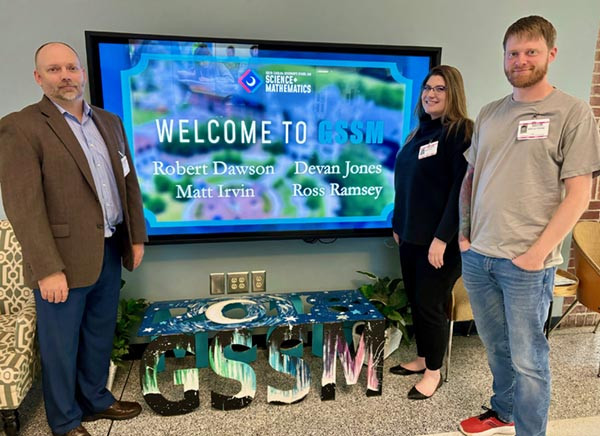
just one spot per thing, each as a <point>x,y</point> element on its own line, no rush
<point>429,290</point>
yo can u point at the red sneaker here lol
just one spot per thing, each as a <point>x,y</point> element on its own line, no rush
<point>486,424</point>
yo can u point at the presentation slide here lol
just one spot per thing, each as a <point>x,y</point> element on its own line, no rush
<point>234,138</point>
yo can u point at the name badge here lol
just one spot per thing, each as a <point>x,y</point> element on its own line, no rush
<point>533,129</point>
<point>428,150</point>
<point>125,165</point>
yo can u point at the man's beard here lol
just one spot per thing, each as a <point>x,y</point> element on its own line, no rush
<point>525,81</point>
<point>71,95</point>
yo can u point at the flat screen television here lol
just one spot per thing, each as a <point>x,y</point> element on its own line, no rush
<point>242,139</point>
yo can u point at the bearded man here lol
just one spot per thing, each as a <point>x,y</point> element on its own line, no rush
<point>70,191</point>
<point>531,163</point>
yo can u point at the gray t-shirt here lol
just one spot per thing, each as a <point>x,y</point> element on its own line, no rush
<point>518,184</point>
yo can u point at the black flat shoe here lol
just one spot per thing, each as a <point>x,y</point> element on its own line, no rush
<point>414,394</point>
<point>400,370</point>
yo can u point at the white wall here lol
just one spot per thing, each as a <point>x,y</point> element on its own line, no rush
<point>470,34</point>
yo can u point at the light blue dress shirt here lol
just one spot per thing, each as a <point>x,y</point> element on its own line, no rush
<point>95,151</point>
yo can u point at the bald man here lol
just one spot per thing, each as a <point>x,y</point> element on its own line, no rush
<point>70,191</point>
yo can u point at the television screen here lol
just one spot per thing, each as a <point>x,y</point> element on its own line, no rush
<point>239,139</point>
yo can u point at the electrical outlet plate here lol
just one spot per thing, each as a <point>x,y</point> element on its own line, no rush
<point>238,282</point>
<point>217,283</point>
<point>259,281</point>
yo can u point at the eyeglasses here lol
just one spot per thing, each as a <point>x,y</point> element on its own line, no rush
<point>436,89</point>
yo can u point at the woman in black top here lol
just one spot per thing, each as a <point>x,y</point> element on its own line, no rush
<point>428,174</point>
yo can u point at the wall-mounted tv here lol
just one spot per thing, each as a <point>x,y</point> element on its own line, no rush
<point>242,139</point>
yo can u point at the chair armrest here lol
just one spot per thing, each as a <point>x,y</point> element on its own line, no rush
<point>25,330</point>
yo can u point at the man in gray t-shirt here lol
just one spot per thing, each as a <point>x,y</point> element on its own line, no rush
<point>531,163</point>
<point>519,174</point>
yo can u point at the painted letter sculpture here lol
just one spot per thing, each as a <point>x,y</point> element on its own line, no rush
<point>188,333</point>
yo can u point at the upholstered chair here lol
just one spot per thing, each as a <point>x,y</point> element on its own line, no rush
<point>18,353</point>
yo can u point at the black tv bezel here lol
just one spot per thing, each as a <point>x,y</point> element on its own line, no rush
<point>94,38</point>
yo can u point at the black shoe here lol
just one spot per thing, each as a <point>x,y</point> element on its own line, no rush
<point>414,394</point>
<point>400,370</point>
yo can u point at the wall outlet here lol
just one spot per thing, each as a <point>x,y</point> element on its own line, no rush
<point>217,283</point>
<point>259,281</point>
<point>238,282</point>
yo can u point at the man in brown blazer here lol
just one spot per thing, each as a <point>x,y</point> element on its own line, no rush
<point>70,191</point>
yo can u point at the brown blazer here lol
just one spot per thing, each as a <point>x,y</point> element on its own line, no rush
<point>49,195</point>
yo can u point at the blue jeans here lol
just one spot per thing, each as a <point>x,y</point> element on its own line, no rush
<point>510,306</point>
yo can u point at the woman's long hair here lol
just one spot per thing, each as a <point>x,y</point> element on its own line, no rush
<point>455,115</point>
